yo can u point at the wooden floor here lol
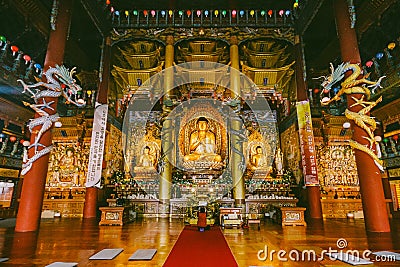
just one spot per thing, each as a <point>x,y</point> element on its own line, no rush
<point>74,240</point>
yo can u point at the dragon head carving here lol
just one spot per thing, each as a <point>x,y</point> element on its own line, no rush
<point>69,86</point>
<point>336,76</point>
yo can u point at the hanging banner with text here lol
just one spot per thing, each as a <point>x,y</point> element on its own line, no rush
<point>97,146</point>
<point>308,158</point>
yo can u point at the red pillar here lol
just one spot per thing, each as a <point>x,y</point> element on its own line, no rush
<point>373,199</point>
<point>31,201</point>
<point>313,192</point>
<point>90,207</point>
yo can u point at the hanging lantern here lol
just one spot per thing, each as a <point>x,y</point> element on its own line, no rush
<point>13,139</point>
<point>14,49</point>
<point>252,12</point>
<point>180,13</point>
<point>233,13</point>
<point>108,2</point>
<point>38,67</point>
<point>241,13</point>
<point>145,13</point>
<point>391,45</point>
<point>135,12</point>
<point>379,55</point>
<point>224,13</point>
<point>316,90</point>
<point>296,5</point>
<point>385,140</point>
<point>395,137</point>
<point>27,58</point>
<point>26,143</point>
<point>2,40</point>
<point>263,13</point>
<point>170,13</point>
<point>281,12</point>
<point>270,12</point>
<point>198,13</point>
<point>206,13</point>
<point>188,13</point>
<point>126,13</point>
<point>287,13</point>
<point>369,63</point>
<point>163,13</point>
<point>153,13</point>
<point>216,13</point>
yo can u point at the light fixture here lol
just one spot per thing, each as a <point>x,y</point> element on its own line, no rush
<point>233,13</point>
<point>325,99</point>
<point>391,45</point>
<point>26,143</point>
<point>346,125</point>
<point>379,55</point>
<point>378,138</point>
<point>14,49</point>
<point>369,63</point>
<point>27,58</point>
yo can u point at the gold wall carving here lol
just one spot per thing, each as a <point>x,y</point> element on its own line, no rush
<point>113,151</point>
<point>336,165</point>
<point>291,151</point>
<point>68,164</point>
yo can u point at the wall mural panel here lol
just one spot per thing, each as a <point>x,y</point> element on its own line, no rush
<point>68,165</point>
<point>291,151</point>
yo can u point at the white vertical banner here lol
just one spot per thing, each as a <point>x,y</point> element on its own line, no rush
<point>97,146</point>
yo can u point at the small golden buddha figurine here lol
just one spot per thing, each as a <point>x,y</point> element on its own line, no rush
<point>202,144</point>
<point>146,161</point>
<point>258,160</point>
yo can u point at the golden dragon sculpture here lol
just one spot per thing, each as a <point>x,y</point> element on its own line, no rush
<point>352,85</point>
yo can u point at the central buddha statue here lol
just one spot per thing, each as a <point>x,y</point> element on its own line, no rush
<point>202,145</point>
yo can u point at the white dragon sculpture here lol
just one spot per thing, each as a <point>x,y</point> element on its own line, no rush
<point>352,85</point>
<point>59,83</point>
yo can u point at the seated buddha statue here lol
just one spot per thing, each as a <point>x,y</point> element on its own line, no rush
<point>202,144</point>
<point>146,160</point>
<point>258,160</point>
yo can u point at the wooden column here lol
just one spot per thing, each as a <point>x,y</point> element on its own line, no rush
<point>167,138</point>
<point>235,124</point>
<point>30,206</point>
<point>313,192</point>
<point>90,207</point>
<point>373,199</point>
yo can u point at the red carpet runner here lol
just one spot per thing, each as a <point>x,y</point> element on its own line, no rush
<point>200,249</point>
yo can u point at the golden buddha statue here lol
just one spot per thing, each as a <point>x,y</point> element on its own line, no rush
<point>202,145</point>
<point>146,161</point>
<point>258,160</point>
